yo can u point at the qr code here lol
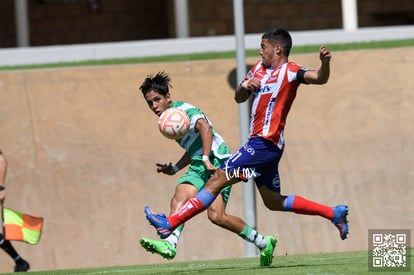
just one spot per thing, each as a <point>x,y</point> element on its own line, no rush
<point>389,250</point>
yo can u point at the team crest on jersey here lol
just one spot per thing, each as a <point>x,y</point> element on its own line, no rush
<point>249,149</point>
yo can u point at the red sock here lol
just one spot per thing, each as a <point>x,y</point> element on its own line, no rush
<point>301,205</point>
<point>191,208</point>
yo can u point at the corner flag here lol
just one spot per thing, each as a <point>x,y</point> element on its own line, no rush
<point>18,226</point>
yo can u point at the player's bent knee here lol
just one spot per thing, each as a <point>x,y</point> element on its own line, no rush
<point>215,217</point>
<point>274,204</point>
<point>274,207</point>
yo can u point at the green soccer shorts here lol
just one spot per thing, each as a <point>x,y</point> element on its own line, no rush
<point>197,175</point>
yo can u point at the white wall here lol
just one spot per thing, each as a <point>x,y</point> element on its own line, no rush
<point>147,48</point>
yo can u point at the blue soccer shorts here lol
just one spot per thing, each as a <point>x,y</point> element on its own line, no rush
<point>258,159</point>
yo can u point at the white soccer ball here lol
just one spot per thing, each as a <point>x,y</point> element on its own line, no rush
<point>174,123</point>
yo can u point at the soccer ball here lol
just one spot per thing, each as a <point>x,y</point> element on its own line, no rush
<point>174,123</point>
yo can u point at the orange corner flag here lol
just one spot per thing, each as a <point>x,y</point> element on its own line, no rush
<point>21,227</point>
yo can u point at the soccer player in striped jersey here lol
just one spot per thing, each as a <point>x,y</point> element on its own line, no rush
<point>205,151</point>
<point>272,84</point>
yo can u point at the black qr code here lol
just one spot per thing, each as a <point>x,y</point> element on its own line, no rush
<point>389,249</point>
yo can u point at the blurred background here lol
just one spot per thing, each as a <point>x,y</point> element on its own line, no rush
<point>59,22</point>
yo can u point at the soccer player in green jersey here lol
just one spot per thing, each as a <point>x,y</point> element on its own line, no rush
<point>205,150</point>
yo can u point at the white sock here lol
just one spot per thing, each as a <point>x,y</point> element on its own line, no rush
<point>174,237</point>
<point>257,239</point>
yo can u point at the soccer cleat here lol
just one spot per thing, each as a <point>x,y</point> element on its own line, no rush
<point>21,266</point>
<point>266,254</point>
<point>340,221</point>
<point>160,222</point>
<point>162,248</point>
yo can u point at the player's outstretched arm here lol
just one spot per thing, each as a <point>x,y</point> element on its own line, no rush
<point>321,75</point>
<point>170,169</point>
<point>183,161</point>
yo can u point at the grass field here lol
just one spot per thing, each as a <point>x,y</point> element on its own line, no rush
<point>311,264</point>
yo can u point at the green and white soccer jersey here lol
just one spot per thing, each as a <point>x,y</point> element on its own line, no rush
<point>197,174</point>
<point>192,142</point>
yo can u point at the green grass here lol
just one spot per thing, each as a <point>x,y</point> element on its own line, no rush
<point>217,55</point>
<point>355,263</point>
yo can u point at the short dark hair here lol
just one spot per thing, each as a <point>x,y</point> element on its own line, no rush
<point>159,83</point>
<point>281,36</point>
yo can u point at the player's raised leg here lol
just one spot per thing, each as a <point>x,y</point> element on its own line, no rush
<point>165,225</point>
<point>337,215</point>
<point>300,205</point>
<point>197,204</point>
<point>166,248</point>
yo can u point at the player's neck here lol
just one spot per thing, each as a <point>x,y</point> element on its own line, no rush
<point>272,67</point>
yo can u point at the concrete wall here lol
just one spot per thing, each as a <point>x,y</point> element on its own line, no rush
<point>82,147</point>
<point>60,22</point>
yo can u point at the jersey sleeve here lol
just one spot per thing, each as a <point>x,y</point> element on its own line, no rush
<point>251,72</point>
<point>194,114</point>
<point>296,72</point>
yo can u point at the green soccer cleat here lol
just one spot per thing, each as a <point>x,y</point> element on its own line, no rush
<point>161,247</point>
<point>266,254</point>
